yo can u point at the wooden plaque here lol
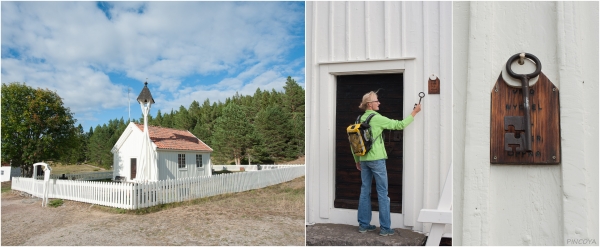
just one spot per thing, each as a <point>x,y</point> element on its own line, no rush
<point>545,123</point>
<point>434,86</point>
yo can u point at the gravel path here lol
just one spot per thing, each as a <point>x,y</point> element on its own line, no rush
<point>239,219</point>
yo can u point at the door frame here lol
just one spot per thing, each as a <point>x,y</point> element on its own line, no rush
<point>325,108</point>
<point>350,89</point>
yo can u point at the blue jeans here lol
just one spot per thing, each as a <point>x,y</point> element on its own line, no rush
<point>377,169</point>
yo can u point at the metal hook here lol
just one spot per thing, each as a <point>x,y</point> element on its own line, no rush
<point>522,58</point>
<point>538,67</point>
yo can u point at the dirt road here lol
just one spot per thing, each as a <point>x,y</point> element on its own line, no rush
<point>269,216</point>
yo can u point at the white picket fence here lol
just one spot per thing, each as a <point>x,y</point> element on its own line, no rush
<point>141,195</point>
<point>83,176</point>
<point>251,167</point>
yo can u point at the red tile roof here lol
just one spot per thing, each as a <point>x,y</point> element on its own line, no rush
<point>166,138</point>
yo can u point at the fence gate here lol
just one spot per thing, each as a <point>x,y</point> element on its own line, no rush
<point>350,90</point>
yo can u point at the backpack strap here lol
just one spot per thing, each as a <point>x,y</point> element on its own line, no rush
<point>358,119</point>
<point>366,120</point>
<point>369,118</point>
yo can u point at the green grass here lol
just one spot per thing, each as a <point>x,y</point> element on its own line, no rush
<point>6,186</point>
<point>56,203</point>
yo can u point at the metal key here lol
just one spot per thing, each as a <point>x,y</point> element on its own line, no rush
<point>421,96</point>
<point>525,90</point>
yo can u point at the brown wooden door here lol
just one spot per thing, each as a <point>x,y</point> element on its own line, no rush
<point>350,89</point>
<point>133,167</point>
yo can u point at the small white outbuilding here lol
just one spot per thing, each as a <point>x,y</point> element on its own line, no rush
<point>7,172</point>
<point>178,153</point>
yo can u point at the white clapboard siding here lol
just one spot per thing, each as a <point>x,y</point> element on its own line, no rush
<point>147,194</point>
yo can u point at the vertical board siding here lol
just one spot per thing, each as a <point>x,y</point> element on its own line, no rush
<point>431,148</point>
<point>338,38</point>
<point>322,30</point>
<point>168,167</point>
<point>356,31</point>
<point>129,149</point>
<point>147,194</point>
<point>375,16</point>
<point>346,33</point>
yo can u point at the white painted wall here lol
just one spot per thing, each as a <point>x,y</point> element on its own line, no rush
<point>129,147</point>
<point>413,38</point>
<point>168,167</point>
<point>525,204</point>
<point>7,172</point>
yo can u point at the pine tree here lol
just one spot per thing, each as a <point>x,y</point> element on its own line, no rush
<point>272,129</point>
<point>182,120</point>
<point>294,102</point>
<point>230,138</point>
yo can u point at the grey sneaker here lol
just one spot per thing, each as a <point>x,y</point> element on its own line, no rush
<point>365,229</point>
<point>385,232</point>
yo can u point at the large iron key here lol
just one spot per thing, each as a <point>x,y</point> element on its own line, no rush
<point>421,96</point>
<point>510,138</point>
<point>525,90</point>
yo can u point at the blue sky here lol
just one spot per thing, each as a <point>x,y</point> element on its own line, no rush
<point>90,53</point>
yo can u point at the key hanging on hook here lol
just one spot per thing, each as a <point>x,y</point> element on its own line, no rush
<point>525,91</point>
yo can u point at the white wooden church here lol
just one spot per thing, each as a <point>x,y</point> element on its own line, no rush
<point>151,153</point>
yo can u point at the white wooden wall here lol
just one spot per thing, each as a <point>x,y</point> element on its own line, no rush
<point>8,172</point>
<point>129,143</point>
<point>168,167</point>
<point>413,38</point>
<point>526,204</point>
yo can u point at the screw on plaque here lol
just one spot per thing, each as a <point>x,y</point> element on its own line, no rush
<point>524,89</point>
<point>421,96</point>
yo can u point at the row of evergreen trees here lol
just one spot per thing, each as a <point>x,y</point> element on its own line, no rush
<point>263,128</point>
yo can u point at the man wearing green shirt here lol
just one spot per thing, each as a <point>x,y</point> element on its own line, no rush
<point>373,165</point>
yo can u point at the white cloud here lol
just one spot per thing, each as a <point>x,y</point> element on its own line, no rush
<point>72,47</point>
<point>260,77</point>
<point>81,88</point>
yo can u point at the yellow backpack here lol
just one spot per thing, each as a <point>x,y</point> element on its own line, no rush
<point>360,136</point>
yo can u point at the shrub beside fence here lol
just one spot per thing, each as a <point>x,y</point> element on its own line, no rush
<point>141,195</point>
